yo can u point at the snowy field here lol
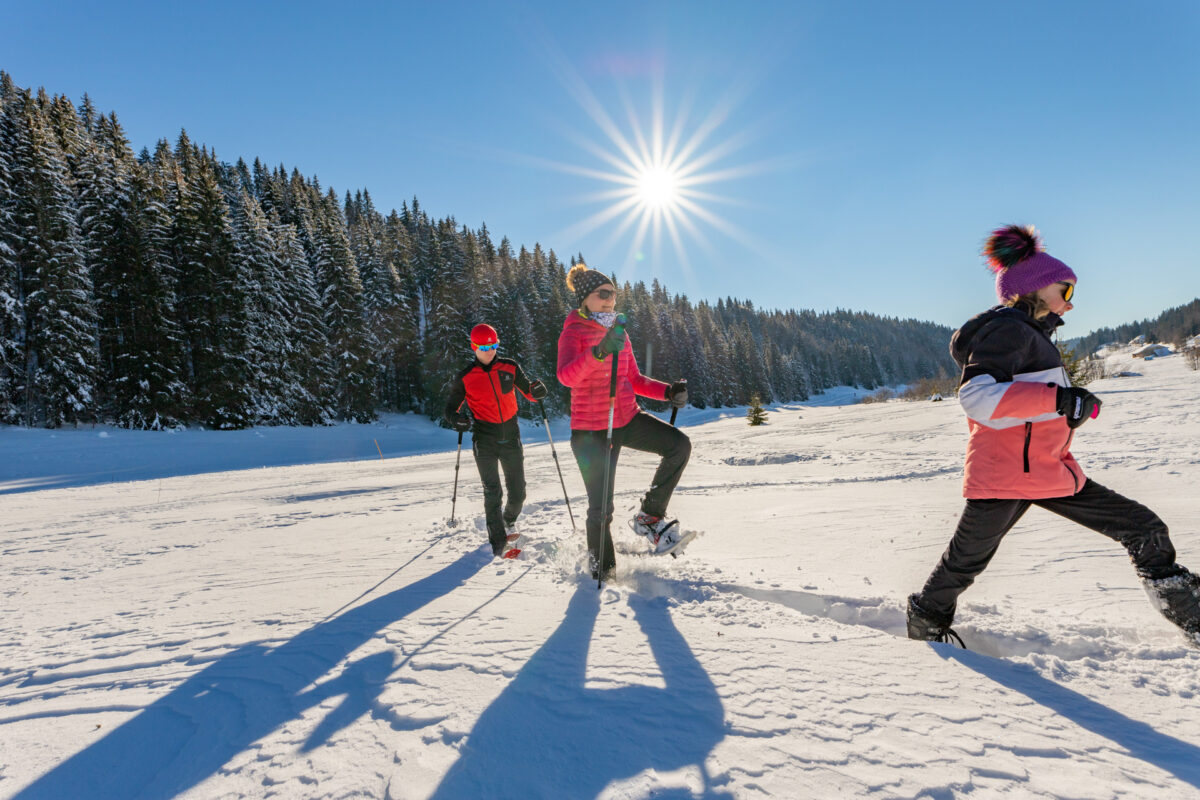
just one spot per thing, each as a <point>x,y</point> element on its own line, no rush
<point>281,613</point>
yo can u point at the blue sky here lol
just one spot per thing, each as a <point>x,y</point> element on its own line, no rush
<point>865,149</point>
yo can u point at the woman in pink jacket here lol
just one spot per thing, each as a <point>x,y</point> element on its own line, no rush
<point>1022,413</point>
<point>591,336</point>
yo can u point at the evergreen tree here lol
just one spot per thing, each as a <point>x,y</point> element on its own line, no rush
<point>345,321</point>
<point>308,359</point>
<point>212,297</point>
<point>126,228</point>
<point>57,383</point>
<point>757,415</point>
<point>269,325</point>
<point>449,326</point>
<point>11,327</point>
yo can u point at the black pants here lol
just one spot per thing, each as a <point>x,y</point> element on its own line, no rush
<point>491,455</point>
<point>643,432</point>
<point>984,523</point>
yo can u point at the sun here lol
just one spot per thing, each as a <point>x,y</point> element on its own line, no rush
<point>657,175</point>
<point>658,189</point>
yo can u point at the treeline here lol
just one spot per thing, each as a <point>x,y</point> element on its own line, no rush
<point>1174,327</point>
<point>170,288</point>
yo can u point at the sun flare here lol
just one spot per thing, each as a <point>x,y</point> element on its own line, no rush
<point>658,188</point>
<point>658,176</point>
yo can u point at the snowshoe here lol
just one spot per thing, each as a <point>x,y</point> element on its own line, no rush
<point>663,534</point>
<point>1178,598</point>
<point>926,626</point>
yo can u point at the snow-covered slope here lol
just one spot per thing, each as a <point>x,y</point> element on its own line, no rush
<point>317,630</point>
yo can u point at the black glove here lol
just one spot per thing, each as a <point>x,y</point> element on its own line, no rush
<point>537,390</point>
<point>677,393</point>
<point>1077,404</point>
<point>460,423</point>
<point>613,341</point>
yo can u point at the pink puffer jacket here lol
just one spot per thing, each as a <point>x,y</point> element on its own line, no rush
<point>588,377</point>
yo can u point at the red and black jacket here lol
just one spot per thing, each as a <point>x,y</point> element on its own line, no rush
<point>488,390</point>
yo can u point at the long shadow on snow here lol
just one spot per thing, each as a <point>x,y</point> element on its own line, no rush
<point>190,733</point>
<point>1143,742</point>
<point>548,735</point>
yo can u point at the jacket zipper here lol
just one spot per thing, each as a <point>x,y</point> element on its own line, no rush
<point>1067,446</point>
<point>1028,436</point>
<point>499,408</point>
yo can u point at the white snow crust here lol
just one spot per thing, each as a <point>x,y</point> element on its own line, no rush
<point>281,613</point>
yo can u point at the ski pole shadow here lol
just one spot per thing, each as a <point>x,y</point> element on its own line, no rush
<point>549,735</point>
<point>1143,742</point>
<point>187,735</point>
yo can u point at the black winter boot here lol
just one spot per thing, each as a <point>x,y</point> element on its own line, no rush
<point>1178,598</point>
<point>925,626</point>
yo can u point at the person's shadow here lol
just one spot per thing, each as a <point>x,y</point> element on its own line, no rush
<point>189,734</point>
<point>549,736</point>
<point>1180,758</point>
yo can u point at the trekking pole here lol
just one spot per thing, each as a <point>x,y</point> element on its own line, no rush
<point>612,406</point>
<point>675,408</point>
<point>546,420</point>
<point>454,498</point>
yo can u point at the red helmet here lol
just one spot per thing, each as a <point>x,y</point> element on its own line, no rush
<point>484,334</point>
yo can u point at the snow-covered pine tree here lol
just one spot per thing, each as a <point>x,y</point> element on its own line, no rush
<point>383,294</point>
<point>402,352</point>
<point>59,323</point>
<point>211,297</point>
<point>148,390</point>
<point>64,122</point>
<point>269,339</point>
<point>102,188</point>
<point>308,360</point>
<point>351,344</point>
<point>11,325</point>
<point>449,325</point>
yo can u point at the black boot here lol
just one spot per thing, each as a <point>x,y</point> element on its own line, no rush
<point>594,565</point>
<point>1178,598</point>
<point>925,626</point>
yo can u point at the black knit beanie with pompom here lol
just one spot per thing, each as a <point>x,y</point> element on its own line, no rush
<point>583,281</point>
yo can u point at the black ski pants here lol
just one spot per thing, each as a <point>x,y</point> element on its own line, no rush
<point>984,523</point>
<point>646,433</point>
<point>491,455</point>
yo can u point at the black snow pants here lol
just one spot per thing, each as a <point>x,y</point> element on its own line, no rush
<point>984,523</point>
<point>492,454</point>
<point>645,433</point>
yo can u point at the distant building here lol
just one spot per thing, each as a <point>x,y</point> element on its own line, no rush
<point>1152,351</point>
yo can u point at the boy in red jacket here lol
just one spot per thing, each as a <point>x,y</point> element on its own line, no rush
<point>487,387</point>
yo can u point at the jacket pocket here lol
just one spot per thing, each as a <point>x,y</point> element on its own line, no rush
<point>1028,439</point>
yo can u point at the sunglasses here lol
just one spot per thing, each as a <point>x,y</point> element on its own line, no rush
<point>606,294</point>
<point>484,348</point>
<point>1068,291</point>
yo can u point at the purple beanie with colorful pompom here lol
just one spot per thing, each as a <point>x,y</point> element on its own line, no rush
<point>1022,265</point>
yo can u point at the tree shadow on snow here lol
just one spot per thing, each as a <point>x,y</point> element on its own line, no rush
<point>190,733</point>
<point>1180,758</point>
<point>549,736</point>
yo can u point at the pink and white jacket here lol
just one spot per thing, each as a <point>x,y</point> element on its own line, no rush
<point>588,377</point>
<point>1019,445</point>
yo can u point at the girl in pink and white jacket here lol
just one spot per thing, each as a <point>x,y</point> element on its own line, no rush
<point>591,336</point>
<point>1022,412</point>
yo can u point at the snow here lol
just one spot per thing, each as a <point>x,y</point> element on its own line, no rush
<point>280,613</point>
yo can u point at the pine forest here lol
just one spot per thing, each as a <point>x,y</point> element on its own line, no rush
<point>169,288</point>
